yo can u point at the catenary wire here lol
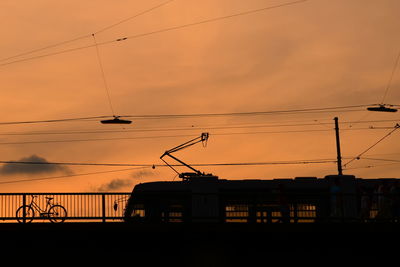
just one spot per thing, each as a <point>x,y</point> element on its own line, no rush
<point>178,136</point>
<point>169,136</point>
<point>380,159</point>
<point>391,77</point>
<point>186,128</point>
<point>372,146</point>
<point>152,130</point>
<point>146,166</point>
<point>350,108</point>
<point>221,164</point>
<point>131,37</point>
<point>68,176</point>
<point>103,75</point>
<point>253,11</point>
<point>293,162</point>
<point>153,166</point>
<point>374,166</point>
<point>54,120</point>
<point>86,35</point>
<point>132,17</point>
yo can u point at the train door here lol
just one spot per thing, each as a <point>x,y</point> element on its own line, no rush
<point>205,200</point>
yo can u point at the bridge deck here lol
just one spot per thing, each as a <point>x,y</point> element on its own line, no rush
<point>226,244</point>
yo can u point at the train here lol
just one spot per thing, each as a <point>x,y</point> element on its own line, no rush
<point>205,198</point>
<point>208,199</point>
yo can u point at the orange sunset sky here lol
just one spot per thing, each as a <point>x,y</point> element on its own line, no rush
<point>306,55</point>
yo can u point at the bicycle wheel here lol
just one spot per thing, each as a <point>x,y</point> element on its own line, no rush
<point>29,214</point>
<point>57,214</point>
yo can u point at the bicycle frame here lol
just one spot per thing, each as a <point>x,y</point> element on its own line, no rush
<point>53,212</point>
<point>41,211</point>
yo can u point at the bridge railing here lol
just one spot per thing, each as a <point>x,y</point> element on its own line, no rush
<point>100,207</point>
<point>110,207</point>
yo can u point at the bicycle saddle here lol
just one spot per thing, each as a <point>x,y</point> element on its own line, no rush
<point>49,198</point>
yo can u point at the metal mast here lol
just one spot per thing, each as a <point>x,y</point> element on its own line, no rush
<point>339,155</point>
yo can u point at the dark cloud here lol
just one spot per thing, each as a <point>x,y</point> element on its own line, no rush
<point>39,168</point>
<point>115,184</point>
<point>141,174</point>
<point>119,184</point>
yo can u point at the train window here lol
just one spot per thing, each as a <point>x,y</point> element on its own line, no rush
<point>268,216</point>
<point>174,213</point>
<point>138,211</point>
<point>276,216</point>
<point>237,213</point>
<point>262,216</point>
<point>305,212</point>
<point>268,213</point>
<point>374,209</point>
<point>175,216</point>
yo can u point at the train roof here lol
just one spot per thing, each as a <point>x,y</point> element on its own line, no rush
<point>206,183</point>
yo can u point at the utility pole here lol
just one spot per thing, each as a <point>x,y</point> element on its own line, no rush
<point>339,155</point>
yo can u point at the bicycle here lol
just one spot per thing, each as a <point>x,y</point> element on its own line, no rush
<point>56,213</point>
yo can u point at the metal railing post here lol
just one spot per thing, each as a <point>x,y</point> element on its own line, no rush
<point>24,208</point>
<point>103,206</point>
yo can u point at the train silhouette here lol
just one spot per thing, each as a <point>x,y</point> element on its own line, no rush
<point>302,199</point>
<point>201,197</point>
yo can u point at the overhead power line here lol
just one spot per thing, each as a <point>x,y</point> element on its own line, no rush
<point>94,139</point>
<point>206,21</point>
<point>293,162</point>
<point>86,35</point>
<point>41,49</point>
<point>153,130</point>
<point>169,136</point>
<point>253,113</point>
<point>373,166</point>
<point>391,77</point>
<point>103,75</point>
<point>178,136</point>
<point>153,166</point>
<point>133,17</point>
<point>68,176</point>
<point>132,37</point>
<point>372,146</point>
<point>53,120</point>
<point>379,159</point>
<point>350,108</point>
<point>148,165</point>
<point>198,128</point>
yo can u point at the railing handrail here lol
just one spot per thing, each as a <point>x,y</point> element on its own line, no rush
<point>66,193</point>
<point>78,206</point>
<point>105,206</point>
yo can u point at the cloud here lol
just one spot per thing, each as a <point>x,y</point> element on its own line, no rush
<point>141,174</point>
<point>33,169</point>
<point>115,184</point>
<point>118,184</point>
